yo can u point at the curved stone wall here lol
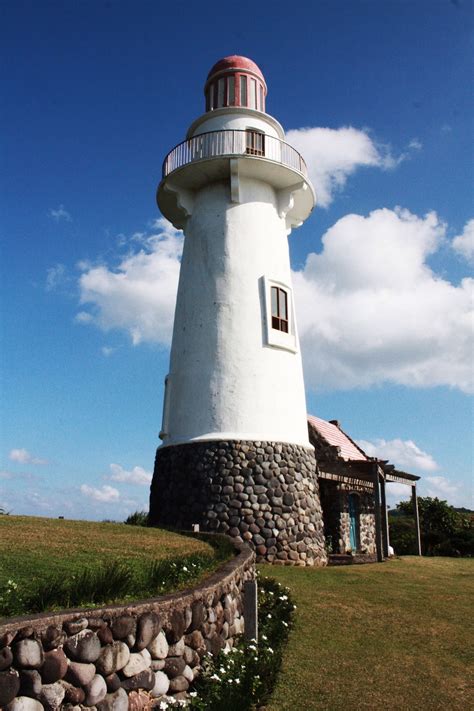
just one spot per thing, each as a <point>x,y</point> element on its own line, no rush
<point>263,493</point>
<point>97,658</point>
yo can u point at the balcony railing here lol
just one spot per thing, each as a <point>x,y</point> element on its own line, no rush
<point>231,142</point>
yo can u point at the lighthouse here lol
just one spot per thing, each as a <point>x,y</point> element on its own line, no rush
<point>235,456</point>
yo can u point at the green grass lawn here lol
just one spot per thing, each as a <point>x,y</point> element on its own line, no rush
<point>35,552</point>
<point>396,635</point>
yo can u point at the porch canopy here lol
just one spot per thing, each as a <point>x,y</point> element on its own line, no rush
<point>341,459</point>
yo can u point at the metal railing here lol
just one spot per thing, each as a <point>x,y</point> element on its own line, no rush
<point>231,142</point>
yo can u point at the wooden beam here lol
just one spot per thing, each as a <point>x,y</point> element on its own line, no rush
<point>385,533</point>
<point>414,500</point>
<point>378,518</point>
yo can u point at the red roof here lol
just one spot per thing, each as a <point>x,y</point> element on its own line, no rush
<point>235,62</point>
<point>334,436</point>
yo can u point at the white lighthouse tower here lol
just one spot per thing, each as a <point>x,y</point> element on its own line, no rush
<point>235,455</point>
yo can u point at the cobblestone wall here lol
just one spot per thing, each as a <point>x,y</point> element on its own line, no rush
<point>263,493</point>
<point>98,659</point>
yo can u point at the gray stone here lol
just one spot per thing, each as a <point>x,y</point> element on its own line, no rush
<point>174,666</point>
<point>157,664</point>
<point>123,626</point>
<point>9,686</point>
<point>148,626</point>
<point>158,648</point>
<point>144,680</point>
<point>54,666</point>
<point>112,658</point>
<point>6,658</point>
<point>24,703</point>
<point>28,654</point>
<point>72,694</point>
<point>176,626</point>
<point>95,690</point>
<point>177,650</point>
<point>52,695</point>
<point>113,682</point>
<point>179,683</point>
<point>52,637</point>
<point>80,674</point>
<point>75,626</point>
<point>188,673</point>
<point>162,684</point>
<point>136,664</point>
<point>83,646</point>
<point>118,701</point>
<point>30,682</point>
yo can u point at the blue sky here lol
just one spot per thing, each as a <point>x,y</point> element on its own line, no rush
<point>376,97</point>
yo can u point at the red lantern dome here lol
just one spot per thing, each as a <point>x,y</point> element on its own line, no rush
<point>235,81</point>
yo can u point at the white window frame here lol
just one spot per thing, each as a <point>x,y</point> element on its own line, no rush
<point>273,337</point>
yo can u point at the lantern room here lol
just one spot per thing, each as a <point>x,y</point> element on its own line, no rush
<point>235,81</point>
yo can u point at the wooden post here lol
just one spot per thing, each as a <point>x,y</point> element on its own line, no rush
<point>417,519</point>
<point>378,520</point>
<point>385,532</point>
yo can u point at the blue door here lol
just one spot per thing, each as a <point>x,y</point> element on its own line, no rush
<point>354,521</point>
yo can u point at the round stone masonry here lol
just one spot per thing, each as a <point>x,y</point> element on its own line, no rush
<point>263,493</point>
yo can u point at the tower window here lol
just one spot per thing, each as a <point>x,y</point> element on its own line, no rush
<point>255,143</point>
<point>279,309</point>
<point>231,88</point>
<point>243,91</point>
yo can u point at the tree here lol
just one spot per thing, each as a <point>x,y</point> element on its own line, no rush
<point>444,531</point>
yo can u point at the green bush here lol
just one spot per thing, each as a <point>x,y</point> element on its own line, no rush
<point>138,518</point>
<point>243,677</point>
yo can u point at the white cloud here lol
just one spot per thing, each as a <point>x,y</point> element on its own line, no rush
<point>370,310</point>
<point>60,214</point>
<point>443,488</point>
<point>139,295</point>
<point>55,277</point>
<point>106,494</point>
<point>137,475</point>
<point>24,457</point>
<point>405,454</point>
<point>332,155</point>
<point>107,351</point>
<point>463,244</point>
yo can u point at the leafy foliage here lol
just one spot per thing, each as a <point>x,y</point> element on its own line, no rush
<point>109,581</point>
<point>444,531</point>
<point>243,677</point>
<point>138,518</point>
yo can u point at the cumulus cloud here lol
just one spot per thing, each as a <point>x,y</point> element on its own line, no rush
<point>463,244</point>
<point>332,155</point>
<point>139,295</point>
<point>24,457</point>
<point>106,494</point>
<point>60,214</point>
<point>405,454</point>
<point>370,310</point>
<point>137,475</point>
<point>445,489</point>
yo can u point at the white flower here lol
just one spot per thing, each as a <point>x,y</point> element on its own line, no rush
<point>193,694</point>
<point>264,636</point>
<point>283,597</point>
<point>163,705</point>
<point>237,681</point>
<point>268,615</point>
<point>284,623</point>
<point>185,569</point>
<point>270,650</point>
<point>215,677</point>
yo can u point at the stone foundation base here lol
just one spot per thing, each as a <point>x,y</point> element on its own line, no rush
<point>264,493</point>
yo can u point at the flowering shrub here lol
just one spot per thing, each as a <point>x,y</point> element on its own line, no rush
<point>243,677</point>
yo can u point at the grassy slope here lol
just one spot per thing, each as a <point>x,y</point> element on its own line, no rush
<point>32,547</point>
<point>392,636</point>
